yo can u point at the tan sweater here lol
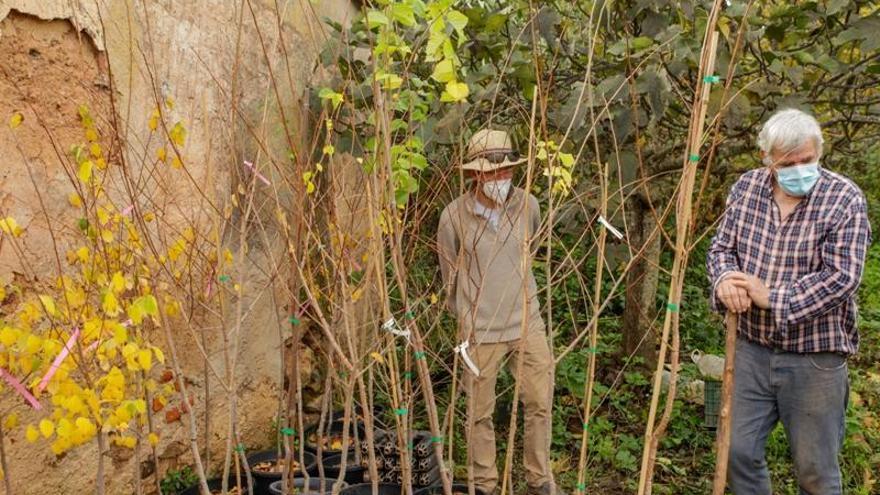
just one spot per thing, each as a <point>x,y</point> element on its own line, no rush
<point>482,267</point>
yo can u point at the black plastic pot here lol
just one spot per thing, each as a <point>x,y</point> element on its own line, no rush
<point>263,480</point>
<point>217,484</point>
<point>354,473</point>
<point>356,435</point>
<point>313,487</point>
<point>459,488</point>
<point>367,489</point>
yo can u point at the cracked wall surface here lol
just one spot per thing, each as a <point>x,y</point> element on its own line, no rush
<point>56,55</point>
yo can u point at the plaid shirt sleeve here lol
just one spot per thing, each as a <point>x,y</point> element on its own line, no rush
<point>843,253</point>
<point>721,258</point>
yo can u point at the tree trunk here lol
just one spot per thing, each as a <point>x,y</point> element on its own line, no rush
<point>641,285</point>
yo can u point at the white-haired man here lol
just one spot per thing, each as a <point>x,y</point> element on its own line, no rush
<point>788,257</point>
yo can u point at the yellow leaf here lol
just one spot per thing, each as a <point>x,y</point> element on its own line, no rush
<point>15,120</point>
<point>128,442</point>
<point>32,344</point>
<point>433,298</point>
<point>8,336</point>
<point>83,254</point>
<point>48,304</point>
<point>455,91</point>
<point>11,421</point>
<point>161,154</point>
<point>107,235</point>
<point>356,295</point>
<point>31,434</point>
<point>110,305</point>
<point>47,428</point>
<point>176,163</point>
<point>85,171</point>
<point>117,284</point>
<point>145,359</point>
<point>95,150</point>
<point>103,215</point>
<point>149,216</point>
<point>86,427</point>
<point>120,335</point>
<point>74,200</point>
<point>178,134</point>
<point>65,428</point>
<point>154,120</point>
<point>160,356</point>
<point>378,357</point>
<point>9,226</point>
<point>153,439</point>
<point>91,135</point>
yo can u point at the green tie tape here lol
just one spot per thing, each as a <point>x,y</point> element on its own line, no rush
<point>409,315</point>
<point>409,445</point>
<point>694,158</point>
<point>287,431</point>
<point>419,355</point>
<point>437,439</point>
<point>239,447</point>
<point>592,350</point>
<point>713,79</point>
<point>672,307</point>
<point>587,426</point>
<point>581,486</point>
<point>293,320</point>
<point>407,375</point>
<point>224,278</point>
<point>400,412</point>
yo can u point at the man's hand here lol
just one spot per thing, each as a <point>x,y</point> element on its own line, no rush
<point>736,299</point>
<point>757,290</point>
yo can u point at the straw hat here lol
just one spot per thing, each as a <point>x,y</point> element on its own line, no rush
<point>485,149</point>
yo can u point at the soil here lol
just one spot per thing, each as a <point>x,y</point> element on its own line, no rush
<point>274,466</point>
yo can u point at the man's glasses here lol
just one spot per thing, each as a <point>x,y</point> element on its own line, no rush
<point>496,157</point>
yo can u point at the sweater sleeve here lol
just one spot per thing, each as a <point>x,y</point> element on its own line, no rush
<point>447,251</point>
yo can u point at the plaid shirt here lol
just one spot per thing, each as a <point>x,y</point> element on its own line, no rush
<point>812,262</point>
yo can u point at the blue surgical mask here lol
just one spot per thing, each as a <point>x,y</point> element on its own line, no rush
<point>798,180</point>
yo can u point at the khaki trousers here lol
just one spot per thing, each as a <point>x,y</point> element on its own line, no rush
<point>536,394</point>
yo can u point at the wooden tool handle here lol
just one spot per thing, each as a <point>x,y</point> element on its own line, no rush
<point>722,441</point>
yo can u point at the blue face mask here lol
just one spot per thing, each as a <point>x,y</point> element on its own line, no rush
<point>798,180</point>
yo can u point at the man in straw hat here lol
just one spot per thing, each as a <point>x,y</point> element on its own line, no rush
<point>483,241</point>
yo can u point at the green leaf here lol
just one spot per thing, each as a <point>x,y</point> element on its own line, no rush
<point>328,94</point>
<point>641,43</point>
<point>376,18</point>
<point>804,58</point>
<point>444,71</point>
<point>566,159</point>
<point>458,21</point>
<point>141,307</point>
<point>835,6</point>
<point>455,91</point>
<point>403,14</point>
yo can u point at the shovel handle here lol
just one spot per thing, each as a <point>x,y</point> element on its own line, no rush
<point>722,441</point>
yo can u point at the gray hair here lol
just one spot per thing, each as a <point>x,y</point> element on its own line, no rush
<point>788,129</point>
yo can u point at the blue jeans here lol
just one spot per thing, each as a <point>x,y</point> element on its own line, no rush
<point>809,394</point>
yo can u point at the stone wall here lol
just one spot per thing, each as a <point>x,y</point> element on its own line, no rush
<point>120,57</point>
